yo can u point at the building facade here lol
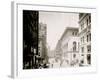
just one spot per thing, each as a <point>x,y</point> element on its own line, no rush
<point>85,38</point>
<point>58,50</point>
<point>30,38</point>
<point>42,42</point>
<point>68,47</point>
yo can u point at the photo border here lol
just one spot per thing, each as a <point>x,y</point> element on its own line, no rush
<point>17,25</point>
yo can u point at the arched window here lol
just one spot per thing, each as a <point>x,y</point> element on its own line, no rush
<point>74,46</point>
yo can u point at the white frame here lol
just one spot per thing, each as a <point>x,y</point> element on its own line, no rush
<point>17,70</point>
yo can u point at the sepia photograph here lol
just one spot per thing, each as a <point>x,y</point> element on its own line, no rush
<point>54,39</point>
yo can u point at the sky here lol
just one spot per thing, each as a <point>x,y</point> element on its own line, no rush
<point>56,24</point>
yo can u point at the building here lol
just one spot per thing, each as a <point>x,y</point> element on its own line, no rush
<point>58,50</point>
<point>85,38</point>
<point>43,42</point>
<point>30,38</point>
<point>51,53</point>
<point>68,47</point>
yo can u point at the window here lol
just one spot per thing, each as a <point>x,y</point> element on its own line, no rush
<point>74,46</point>
<point>87,38</point>
<point>88,58</point>
<point>82,25</point>
<point>67,46</point>
<point>90,37</point>
<point>82,61</point>
<point>73,33</point>
<point>82,55</point>
<point>88,49</point>
<point>82,49</point>
<point>74,55</point>
<point>78,46</point>
<point>89,19</point>
<point>87,22</point>
<point>83,39</point>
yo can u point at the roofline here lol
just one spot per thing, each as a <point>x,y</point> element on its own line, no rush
<point>68,28</point>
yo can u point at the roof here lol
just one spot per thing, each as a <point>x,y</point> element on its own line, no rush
<point>67,29</point>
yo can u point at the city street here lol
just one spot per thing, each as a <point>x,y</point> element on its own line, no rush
<point>54,63</point>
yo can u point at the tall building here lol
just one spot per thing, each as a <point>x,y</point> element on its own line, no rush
<point>85,38</point>
<point>30,38</point>
<point>68,47</point>
<point>43,42</point>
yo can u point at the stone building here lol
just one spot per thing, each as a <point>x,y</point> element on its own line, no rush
<point>42,42</point>
<point>68,47</point>
<point>85,38</point>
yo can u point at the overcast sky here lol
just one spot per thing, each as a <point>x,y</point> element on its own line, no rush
<point>56,24</point>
